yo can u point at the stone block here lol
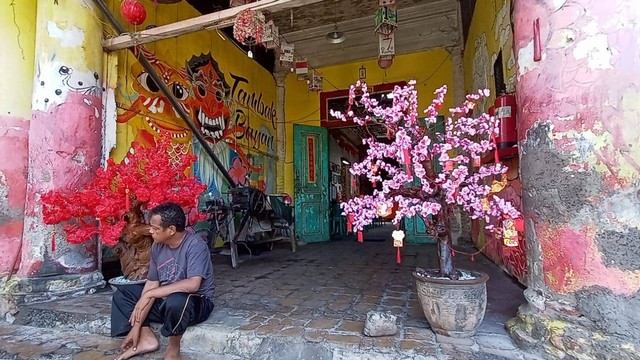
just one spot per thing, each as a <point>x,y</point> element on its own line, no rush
<point>454,340</point>
<point>495,341</point>
<point>380,324</point>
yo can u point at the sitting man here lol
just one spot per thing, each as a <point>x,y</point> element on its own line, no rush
<point>178,292</point>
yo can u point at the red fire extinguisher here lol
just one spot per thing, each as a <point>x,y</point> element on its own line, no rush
<point>505,110</point>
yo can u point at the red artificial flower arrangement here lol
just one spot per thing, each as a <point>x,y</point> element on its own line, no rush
<point>146,176</point>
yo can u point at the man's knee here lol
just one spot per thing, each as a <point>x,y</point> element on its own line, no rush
<point>176,303</point>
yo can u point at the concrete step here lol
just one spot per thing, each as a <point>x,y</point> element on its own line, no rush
<point>242,334</point>
<point>19,342</point>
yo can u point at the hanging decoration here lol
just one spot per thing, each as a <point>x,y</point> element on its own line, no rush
<point>314,83</point>
<point>286,54</point>
<point>271,35</point>
<point>398,242</point>
<point>386,20</point>
<point>248,27</point>
<point>384,209</point>
<point>387,50</point>
<point>302,69</point>
<point>509,233</point>
<point>133,11</point>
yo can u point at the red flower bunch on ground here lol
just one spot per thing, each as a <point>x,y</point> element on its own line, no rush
<point>146,176</point>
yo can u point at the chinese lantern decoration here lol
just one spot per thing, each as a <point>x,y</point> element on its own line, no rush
<point>476,161</point>
<point>384,209</point>
<point>271,36</point>
<point>248,27</point>
<point>398,242</point>
<point>386,20</point>
<point>287,52</point>
<point>448,165</point>
<point>387,50</point>
<point>385,62</point>
<point>314,83</point>
<point>133,11</point>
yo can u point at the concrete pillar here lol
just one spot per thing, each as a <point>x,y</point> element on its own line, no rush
<point>17,24</point>
<point>64,140</point>
<point>281,131</point>
<point>579,126</point>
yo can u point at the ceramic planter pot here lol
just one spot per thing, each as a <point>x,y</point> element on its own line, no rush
<point>453,308</point>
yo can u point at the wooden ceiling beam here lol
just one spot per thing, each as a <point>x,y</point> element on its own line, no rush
<point>216,20</point>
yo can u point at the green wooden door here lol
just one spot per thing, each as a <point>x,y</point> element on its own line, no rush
<point>311,164</point>
<point>415,229</point>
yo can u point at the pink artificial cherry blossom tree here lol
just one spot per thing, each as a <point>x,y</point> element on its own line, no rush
<point>437,171</point>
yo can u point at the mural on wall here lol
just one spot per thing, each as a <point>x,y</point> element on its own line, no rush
<point>228,114</point>
<point>512,259</point>
<point>485,53</point>
<point>491,34</point>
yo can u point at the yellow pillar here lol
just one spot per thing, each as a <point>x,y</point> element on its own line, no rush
<point>17,43</point>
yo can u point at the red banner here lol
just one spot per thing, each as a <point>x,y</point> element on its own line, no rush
<point>311,159</point>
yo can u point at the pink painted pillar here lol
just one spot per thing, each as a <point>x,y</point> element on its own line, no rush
<point>579,122</point>
<point>64,140</point>
<point>17,23</point>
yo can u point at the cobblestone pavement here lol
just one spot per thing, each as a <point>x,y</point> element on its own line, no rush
<point>283,305</point>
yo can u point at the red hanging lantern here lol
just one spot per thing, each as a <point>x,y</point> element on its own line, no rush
<point>133,11</point>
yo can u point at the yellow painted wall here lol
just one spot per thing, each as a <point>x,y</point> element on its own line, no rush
<point>489,33</point>
<point>431,69</point>
<point>249,130</point>
<point>18,29</point>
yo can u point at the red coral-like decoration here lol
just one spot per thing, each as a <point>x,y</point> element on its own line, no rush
<point>147,176</point>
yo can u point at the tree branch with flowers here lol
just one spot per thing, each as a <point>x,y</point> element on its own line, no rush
<point>437,171</point>
<point>111,205</point>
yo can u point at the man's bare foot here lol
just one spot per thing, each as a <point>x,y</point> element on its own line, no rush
<point>173,348</point>
<point>147,343</point>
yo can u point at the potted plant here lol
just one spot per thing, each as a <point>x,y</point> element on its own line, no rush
<point>112,205</point>
<point>430,173</point>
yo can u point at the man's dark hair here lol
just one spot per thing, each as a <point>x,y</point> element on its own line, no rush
<point>170,214</point>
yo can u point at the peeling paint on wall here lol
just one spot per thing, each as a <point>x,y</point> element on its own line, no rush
<point>579,128</point>
<point>69,37</point>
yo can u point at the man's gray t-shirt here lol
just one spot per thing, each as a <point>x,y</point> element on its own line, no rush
<point>190,258</point>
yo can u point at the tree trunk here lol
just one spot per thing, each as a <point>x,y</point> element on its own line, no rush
<point>445,258</point>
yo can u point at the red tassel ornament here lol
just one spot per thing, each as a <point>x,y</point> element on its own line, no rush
<point>398,256</point>
<point>360,236</point>
<point>53,242</point>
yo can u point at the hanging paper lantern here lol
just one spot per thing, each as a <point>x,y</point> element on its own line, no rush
<point>248,27</point>
<point>271,35</point>
<point>286,54</point>
<point>386,20</point>
<point>133,11</point>
<point>314,83</point>
<point>398,242</point>
<point>385,62</point>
